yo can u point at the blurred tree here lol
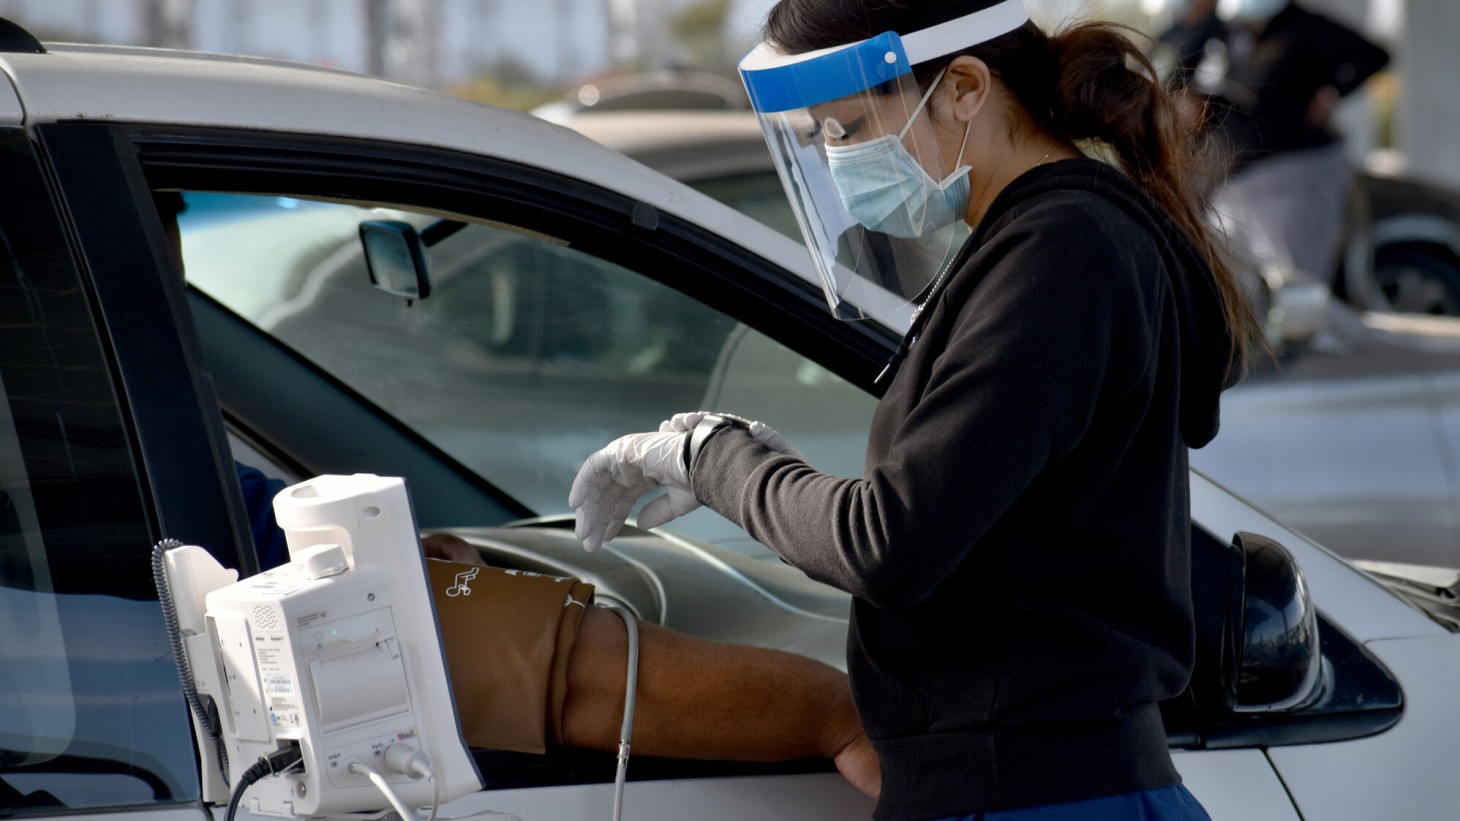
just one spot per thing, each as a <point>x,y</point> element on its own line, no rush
<point>1384,92</point>
<point>403,40</point>
<point>699,29</point>
<point>508,83</point>
<point>168,23</point>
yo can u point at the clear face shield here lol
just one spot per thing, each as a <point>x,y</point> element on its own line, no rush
<point>880,203</point>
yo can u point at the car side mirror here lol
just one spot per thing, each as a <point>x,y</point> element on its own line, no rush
<point>1279,663</point>
<point>396,259</point>
<point>1257,643</point>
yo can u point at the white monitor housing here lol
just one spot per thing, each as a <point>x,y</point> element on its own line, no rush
<point>336,651</point>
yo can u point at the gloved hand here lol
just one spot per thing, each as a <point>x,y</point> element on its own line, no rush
<point>763,433</point>
<point>612,479</point>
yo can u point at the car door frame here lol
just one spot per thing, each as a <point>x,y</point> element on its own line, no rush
<point>95,516</point>
<point>139,296</point>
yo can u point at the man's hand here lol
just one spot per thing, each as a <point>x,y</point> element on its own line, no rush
<point>858,764</point>
<point>451,548</point>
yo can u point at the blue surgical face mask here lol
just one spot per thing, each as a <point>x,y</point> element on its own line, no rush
<point>888,190</point>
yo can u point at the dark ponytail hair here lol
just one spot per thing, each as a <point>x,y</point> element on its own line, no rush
<point>1089,83</point>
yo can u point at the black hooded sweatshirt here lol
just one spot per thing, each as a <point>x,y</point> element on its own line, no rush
<point>1017,546</point>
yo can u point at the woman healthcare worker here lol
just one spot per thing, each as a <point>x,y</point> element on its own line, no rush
<point>1017,546</point>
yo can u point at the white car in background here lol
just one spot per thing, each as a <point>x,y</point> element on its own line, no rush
<point>564,294</point>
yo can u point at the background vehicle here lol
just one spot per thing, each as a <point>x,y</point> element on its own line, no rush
<point>649,91</point>
<point>1403,251</point>
<point>127,395</point>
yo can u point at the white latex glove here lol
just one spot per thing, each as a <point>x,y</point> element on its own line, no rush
<point>763,433</point>
<point>613,479</point>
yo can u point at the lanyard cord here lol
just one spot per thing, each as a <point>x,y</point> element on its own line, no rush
<point>934,292</point>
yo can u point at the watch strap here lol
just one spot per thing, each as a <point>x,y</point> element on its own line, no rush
<point>708,426</point>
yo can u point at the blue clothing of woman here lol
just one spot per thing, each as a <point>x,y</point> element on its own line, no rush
<point>258,499</point>
<point>1174,803</point>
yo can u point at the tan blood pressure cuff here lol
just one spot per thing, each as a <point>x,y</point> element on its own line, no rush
<point>508,635</point>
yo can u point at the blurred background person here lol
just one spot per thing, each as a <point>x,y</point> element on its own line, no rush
<point>1286,70</point>
<point>1195,40</point>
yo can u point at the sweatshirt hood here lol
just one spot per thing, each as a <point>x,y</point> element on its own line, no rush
<point>1210,362</point>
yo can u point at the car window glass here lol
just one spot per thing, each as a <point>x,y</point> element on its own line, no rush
<point>91,713</point>
<point>526,356</point>
<point>39,719</point>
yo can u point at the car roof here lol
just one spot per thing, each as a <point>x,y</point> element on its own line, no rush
<point>79,82</point>
<point>72,82</point>
<point>686,145</point>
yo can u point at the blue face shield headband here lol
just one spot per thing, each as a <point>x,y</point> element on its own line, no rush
<point>779,82</point>
<point>877,222</point>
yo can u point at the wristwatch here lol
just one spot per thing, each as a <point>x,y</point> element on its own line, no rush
<point>708,426</point>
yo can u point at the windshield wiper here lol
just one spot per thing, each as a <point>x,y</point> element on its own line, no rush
<point>1435,590</point>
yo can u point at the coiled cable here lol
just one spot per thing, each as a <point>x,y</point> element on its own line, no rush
<point>208,721</point>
